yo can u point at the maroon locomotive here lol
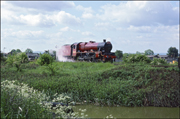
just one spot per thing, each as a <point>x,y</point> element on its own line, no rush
<point>89,51</point>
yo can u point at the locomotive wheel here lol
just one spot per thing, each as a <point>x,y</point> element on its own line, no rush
<point>91,60</point>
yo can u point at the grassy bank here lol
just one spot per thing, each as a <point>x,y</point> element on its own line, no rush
<point>126,84</point>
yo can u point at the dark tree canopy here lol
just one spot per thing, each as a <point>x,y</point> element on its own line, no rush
<point>28,50</point>
<point>172,52</point>
<point>149,52</point>
<point>13,51</point>
<point>18,50</point>
<point>119,54</point>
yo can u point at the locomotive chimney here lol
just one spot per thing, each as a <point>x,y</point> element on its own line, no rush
<point>104,40</point>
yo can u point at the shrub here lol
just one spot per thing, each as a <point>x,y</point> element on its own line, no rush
<point>158,61</point>
<point>52,68</point>
<point>136,58</point>
<point>20,101</point>
<point>3,59</point>
<point>45,59</point>
<point>22,57</point>
<point>143,58</point>
<point>10,60</point>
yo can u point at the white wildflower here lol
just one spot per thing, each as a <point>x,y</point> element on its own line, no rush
<point>20,109</point>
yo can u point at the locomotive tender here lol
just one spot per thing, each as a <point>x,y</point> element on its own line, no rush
<point>89,51</point>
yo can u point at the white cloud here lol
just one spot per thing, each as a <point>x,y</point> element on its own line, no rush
<point>140,29</point>
<point>87,33</point>
<point>102,24</point>
<point>36,20</point>
<point>43,5</point>
<point>87,15</point>
<point>64,29</point>
<point>41,20</point>
<point>65,18</point>
<point>140,13</point>
<point>87,12</point>
<point>25,34</point>
<point>154,29</point>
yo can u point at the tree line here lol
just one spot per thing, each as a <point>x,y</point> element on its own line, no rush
<point>172,52</point>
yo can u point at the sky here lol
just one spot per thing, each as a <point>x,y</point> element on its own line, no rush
<point>129,25</point>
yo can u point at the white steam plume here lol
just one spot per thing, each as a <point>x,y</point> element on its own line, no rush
<point>59,55</point>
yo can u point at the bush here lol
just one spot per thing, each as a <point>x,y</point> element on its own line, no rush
<point>10,60</point>
<point>17,60</point>
<point>136,58</point>
<point>22,57</point>
<point>3,59</point>
<point>52,68</point>
<point>45,59</point>
<point>158,61</point>
<point>20,101</point>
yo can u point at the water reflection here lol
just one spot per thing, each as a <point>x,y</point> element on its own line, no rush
<point>128,112</point>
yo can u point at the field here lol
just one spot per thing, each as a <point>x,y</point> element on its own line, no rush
<point>125,84</point>
<point>112,84</point>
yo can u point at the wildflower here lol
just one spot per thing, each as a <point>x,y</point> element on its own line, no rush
<point>83,110</point>
<point>20,109</point>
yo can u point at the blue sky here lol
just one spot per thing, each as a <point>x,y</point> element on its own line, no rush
<point>129,25</point>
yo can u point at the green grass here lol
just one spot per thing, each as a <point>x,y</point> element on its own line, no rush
<point>126,84</point>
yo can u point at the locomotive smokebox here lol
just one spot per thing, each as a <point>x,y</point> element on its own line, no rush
<point>104,40</point>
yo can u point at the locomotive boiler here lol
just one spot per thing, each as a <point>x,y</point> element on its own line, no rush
<point>89,51</point>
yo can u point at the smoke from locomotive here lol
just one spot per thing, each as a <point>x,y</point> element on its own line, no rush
<point>88,51</point>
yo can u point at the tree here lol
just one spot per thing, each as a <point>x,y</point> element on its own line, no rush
<point>13,51</point>
<point>28,50</point>
<point>137,52</point>
<point>119,54</point>
<point>18,51</point>
<point>172,52</point>
<point>149,52</point>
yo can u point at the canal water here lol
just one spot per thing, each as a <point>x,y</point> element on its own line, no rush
<point>93,111</point>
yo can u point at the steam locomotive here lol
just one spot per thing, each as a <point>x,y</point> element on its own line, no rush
<point>89,51</point>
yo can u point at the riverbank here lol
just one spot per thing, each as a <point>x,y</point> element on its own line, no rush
<point>124,84</point>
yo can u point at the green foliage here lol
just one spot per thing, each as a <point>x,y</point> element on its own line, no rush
<point>28,50</point>
<point>45,59</point>
<point>13,52</point>
<point>20,101</point>
<point>18,51</point>
<point>119,54</point>
<point>10,60</point>
<point>3,59</point>
<point>125,84</point>
<point>22,57</point>
<point>17,60</point>
<point>52,68</point>
<point>134,58</point>
<point>158,61</point>
<point>149,52</point>
<point>137,52</point>
<point>172,52</point>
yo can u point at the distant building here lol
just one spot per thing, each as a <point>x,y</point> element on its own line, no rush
<point>169,59</point>
<point>32,56</point>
